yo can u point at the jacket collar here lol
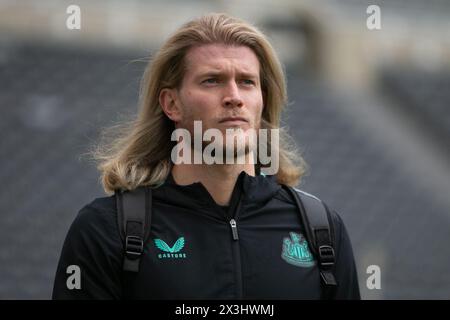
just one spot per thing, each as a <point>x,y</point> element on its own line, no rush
<point>248,190</point>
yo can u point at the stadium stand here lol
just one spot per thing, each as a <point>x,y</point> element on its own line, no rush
<point>55,101</point>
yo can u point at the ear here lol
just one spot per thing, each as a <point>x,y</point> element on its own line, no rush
<point>168,99</point>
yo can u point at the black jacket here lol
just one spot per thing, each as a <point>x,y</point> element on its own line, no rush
<point>192,254</point>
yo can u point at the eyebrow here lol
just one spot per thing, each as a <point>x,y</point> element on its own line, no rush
<point>220,73</point>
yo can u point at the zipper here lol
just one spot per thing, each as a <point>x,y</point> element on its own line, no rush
<point>235,246</point>
<point>230,219</point>
<point>234,229</point>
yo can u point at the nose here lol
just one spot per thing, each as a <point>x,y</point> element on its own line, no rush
<point>232,96</point>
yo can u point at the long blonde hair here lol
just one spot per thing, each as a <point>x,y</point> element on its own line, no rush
<point>137,152</point>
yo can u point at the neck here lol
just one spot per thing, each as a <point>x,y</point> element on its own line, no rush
<point>218,179</point>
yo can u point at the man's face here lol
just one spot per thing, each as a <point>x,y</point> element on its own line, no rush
<point>221,82</point>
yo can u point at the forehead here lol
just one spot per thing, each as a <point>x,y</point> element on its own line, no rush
<point>220,57</point>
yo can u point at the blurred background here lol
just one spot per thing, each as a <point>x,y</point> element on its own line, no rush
<point>370,110</point>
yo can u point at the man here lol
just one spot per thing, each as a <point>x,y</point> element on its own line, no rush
<point>219,230</point>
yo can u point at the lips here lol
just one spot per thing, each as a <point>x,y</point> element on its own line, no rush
<point>233,119</point>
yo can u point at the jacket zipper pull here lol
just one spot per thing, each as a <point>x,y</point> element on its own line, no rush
<point>234,229</point>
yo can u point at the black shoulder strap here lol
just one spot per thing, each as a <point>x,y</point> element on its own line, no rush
<point>134,220</point>
<point>314,216</point>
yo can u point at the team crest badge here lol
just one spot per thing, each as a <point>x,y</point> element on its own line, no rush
<point>296,251</point>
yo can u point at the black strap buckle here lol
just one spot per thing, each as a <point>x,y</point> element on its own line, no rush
<point>326,255</point>
<point>134,246</point>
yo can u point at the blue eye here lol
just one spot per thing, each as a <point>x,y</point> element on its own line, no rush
<point>210,81</point>
<point>247,81</point>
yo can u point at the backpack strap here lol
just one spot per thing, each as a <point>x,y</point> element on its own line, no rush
<point>314,215</point>
<point>134,220</point>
